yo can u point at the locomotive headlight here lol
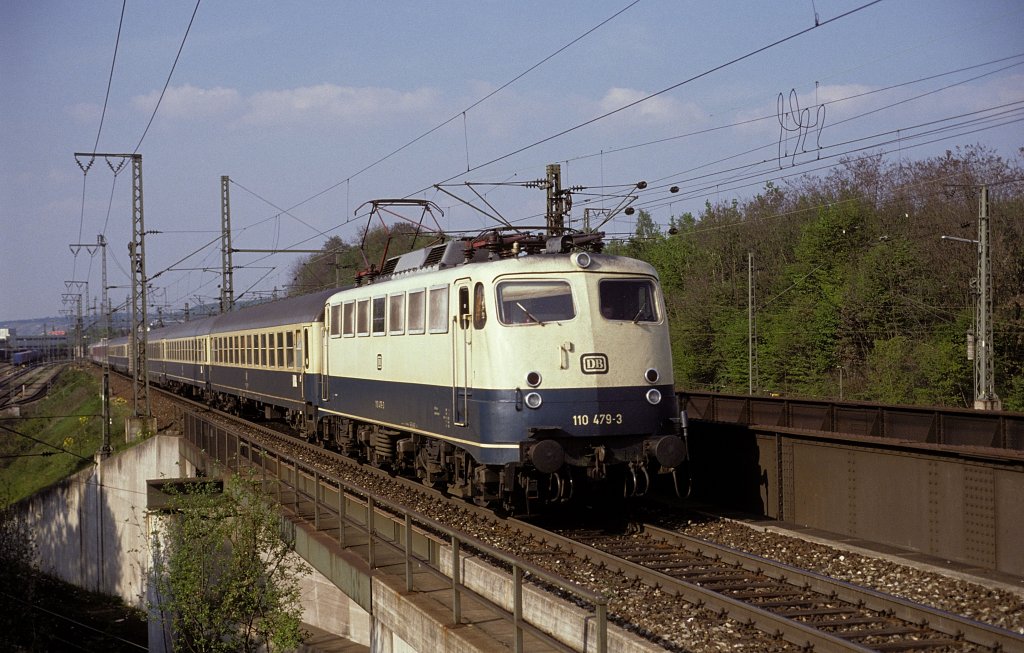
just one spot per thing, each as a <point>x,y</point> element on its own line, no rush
<point>533,400</point>
<point>653,396</point>
<point>533,379</point>
<point>652,375</point>
<point>582,260</point>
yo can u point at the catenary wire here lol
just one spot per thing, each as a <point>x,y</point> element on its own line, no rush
<point>169,75</point>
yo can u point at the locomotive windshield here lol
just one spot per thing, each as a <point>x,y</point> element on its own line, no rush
<point>534,302</point>
<point>628,299</point>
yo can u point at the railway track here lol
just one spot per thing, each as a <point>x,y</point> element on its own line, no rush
<point>23,385</point>
<point>803,607</point>
<point>788,608</point>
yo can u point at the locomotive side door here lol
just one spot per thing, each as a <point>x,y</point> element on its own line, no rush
<point>324,367</point>
<point>462,352</point>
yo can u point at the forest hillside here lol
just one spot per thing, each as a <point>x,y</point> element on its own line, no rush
<point>852,283</point>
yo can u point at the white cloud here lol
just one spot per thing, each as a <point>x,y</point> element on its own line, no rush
<point>190,101</point>
<point>332,102</point>
<point>658,109</point>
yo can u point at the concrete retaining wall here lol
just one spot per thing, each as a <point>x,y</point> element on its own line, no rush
<point>92,530</point>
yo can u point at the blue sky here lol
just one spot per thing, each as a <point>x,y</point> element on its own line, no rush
<point>292,99</point>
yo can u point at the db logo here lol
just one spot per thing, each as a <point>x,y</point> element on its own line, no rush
<point>594,363</point>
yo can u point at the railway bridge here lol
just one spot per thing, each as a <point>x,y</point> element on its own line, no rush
<point>387,578</point>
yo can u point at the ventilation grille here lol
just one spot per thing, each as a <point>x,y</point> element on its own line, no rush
<point>435,256</point>
<point>389,265</point>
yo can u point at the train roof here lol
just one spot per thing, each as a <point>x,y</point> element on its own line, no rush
<point>190,329</point>
<point>293,310</point>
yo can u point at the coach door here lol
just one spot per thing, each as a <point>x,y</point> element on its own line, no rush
<point>302,361</point>
<point>462,350</point>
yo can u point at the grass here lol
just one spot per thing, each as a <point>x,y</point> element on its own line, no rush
<point>56,436</point>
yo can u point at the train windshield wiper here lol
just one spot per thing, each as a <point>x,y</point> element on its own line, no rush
<point>528,313</point>
<point>640,312</point>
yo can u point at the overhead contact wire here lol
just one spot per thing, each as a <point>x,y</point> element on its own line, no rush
<point>666,89</point>
<point>169,76</point>
<point>472,106</point>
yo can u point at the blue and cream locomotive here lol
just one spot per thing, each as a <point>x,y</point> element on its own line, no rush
<point>506,369</point>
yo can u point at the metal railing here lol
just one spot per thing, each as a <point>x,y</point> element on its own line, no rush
<point>933,425</point>
<point>373,516</point>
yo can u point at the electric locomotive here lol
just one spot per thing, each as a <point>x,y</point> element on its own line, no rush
<point>510,369</point>
<point>506,369</point>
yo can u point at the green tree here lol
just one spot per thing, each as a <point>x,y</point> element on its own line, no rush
<point>224,578</point>
<point>341,261</point>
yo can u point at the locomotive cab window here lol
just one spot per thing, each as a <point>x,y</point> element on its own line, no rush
<point>535,302</point>
<point>632,300</point>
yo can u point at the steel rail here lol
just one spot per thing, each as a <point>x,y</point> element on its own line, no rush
<point>942,621</point>
<point>793,632</point>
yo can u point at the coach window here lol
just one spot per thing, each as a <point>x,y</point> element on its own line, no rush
<point>280,350</point>
<point>272,350</point>
<point>348,317</point>
<point>250,345</point>
<point>534,302</point>
<point>363,317</point>
<point>439,309</point>
<point>417,312</point>
<point>379,315</point>
<point>289,346</point>
<point>479,307</point>
<point>396,314</point>
<point>263,350</point>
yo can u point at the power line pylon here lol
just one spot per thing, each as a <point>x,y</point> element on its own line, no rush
<point>985,397</point>
<point>137,251</point>
<point>227,285</point>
